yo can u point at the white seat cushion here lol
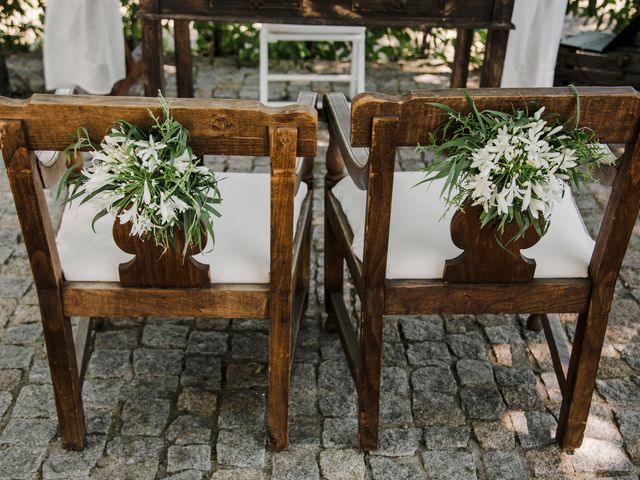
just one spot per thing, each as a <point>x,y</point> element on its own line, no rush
<point>241,253</point>
<point>420,241</point>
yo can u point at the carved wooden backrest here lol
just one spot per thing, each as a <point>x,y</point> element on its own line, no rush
<point>613,113</point>
<point>224,127</point>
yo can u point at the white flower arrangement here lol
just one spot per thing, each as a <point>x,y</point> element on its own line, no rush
<point>515,166</point>
<point>150,179</point>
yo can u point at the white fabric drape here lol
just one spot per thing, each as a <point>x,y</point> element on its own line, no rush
<point>533,46</point>
<point>83,45</point>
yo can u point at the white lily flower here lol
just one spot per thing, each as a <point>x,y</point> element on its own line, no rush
<point>146,194</point>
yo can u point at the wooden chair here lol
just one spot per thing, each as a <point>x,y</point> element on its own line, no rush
<point>273,281</point>
<point>372,215</point>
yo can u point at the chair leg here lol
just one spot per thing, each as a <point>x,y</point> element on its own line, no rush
<point>67,388</point>
<point>581,379</point>
<point>304,278</point>
<point>371,324</point>
<point>333,273</point>
<point>279,371</point>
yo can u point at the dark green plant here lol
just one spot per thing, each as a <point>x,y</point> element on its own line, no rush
<point>608,13</point>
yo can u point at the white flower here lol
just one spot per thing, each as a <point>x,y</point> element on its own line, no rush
<point>182,162</point>
<point>166,209</point>
<point>130,215</point>
<point>148,152</point>
<point>146,194</point>
<point>96,179</point>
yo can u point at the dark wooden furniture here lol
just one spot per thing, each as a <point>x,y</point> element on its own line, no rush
<point>464,15</point>
<point>47,122</point>
<point>365,140</point>
<point>620,66</point>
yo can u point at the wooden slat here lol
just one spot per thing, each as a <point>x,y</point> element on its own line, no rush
<point>347,335</point>
<point>234,127</point>
<point>184,65</point>
<point>460,68</point>
<point>82,342</point>
<point>612,112</point>
<point>412,297</point>
<point>298,312</point>
<point>344,237</point>
<point>558,346</point>
<point>338,117</point>
<point>112,300</point>
<point>304,222</point>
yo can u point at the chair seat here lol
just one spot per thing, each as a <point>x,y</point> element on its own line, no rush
<point>420,241</point>
<point>242,236</point>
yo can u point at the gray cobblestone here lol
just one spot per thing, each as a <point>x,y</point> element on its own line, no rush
<point>148,419</point>
<point>189,457</point>
<point>12,356</point>
<point>342,465</point>
<point>449,465</point>
<point>299,463</point>
<point>204,371</point>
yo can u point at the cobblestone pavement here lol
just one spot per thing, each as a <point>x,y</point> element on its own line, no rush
<point>463,397</point>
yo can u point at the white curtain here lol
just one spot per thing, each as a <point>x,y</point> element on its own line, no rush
<point>533,46</point>
<point>83,45</point>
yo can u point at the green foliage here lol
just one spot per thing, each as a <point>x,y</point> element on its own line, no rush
<point>607,13</point>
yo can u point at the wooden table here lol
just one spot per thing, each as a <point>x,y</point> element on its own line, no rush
<point>464,15</point>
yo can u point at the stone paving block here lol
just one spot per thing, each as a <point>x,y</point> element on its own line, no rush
<point>157,362</point>
<point>304,431</point>
<point>207,343</point>
<point>299,463</point>
<point>398,442</point>
<point>420,329</point>
<point>116,340</point>
<point>197,402</point>
<point>303,396</point>
<point>437,378</point>
<point>503,334</point>
<point>148,418</point>
<point>9,379</point>
<point>467,346</point>
<point>39,372</point>
<point>165,336</point>
<point>145,470</point>
<point>601,457</point>
<point>19,463</point>
<point>12,287</point>
<point>12,356</point>
<point>534,429</point>
<point>511,377</point>
<point>202,371</point>
<point>25,314</point>
<point>150,386</point>
<point>253,346</point>
<point>98,421</point>
<point>67,465</point>
<point>241,448</point>
<point>442,438</point>
<point>340,433</point>
<point>243,409</point>
<point>384,468</point>
<point>629,422</point>
<point>428,353</point>
<point>482,404</point>
<point>101,394</point>
<point>631,354</point>
<point>23,334</point>
<point>522,397</point>
<point>5,401</point>
<point>503,466</point>
<point>342,465</point>
<point>238,474</point>
<point>494,435</point>
<point>188,457</point>
<point>248,375</point>
<point>449,465</point>
<point>189,429</point>
<point>395,405</point>
<point>436,408</point>
<point>187,474</point>
<point>110,364</point>
<point>134,450</point>
<point>336,391</point>
<point>620,393</point>
<point>29,431</point>
<point>474,373</point>
<point>35,401</point>
<point>393,355</point>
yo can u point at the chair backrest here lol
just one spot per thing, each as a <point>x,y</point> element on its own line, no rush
<point>223,127</point>
<point>383,122</point>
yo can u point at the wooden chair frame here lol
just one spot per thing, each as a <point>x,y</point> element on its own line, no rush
<point>234,127</point>
<point>378,124</point>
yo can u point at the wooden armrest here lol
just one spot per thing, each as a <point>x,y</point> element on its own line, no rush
<point>304,165</point>
<point>338,117</point>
